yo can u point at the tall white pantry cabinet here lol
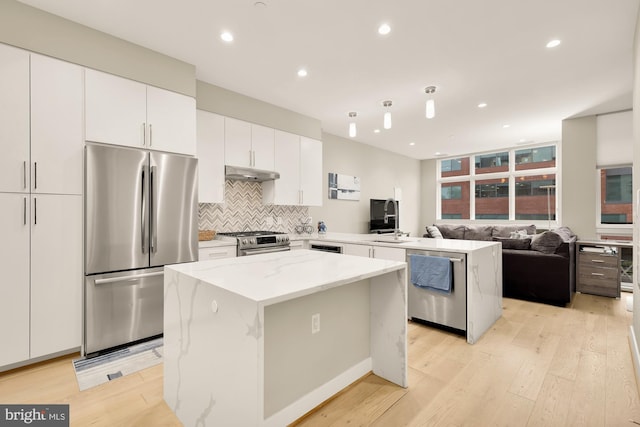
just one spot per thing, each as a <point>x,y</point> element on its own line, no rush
<point>41,138</point>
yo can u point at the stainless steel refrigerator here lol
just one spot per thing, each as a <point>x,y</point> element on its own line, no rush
<point>140,214</point>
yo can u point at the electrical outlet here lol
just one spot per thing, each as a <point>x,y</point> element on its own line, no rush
<point>315,323</point>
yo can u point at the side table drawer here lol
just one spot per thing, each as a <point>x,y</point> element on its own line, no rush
<point>597,260</point>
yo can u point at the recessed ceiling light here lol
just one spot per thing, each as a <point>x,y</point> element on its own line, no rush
<point>226,36</point>
<point>482,105</point>
<point>412,143</point>
<point>384,29</point>
<point>553,43</point>
<point>302,72</point>
<point>506,126</point>
<point>437,153</point>
<point>376,131</point>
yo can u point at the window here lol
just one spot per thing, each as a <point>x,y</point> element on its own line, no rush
<point>616,194</point>
<point>536,158</point>
<point>489,163</point>
<point>455,167</point>
<point>454,200</point>
<point>487,191</point>
<point>536,197</point>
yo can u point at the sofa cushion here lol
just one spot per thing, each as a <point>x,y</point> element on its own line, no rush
<point>565,233</point>
<point>452,231</point>
<point>505,230</point>
<point>522,244</point>
<point>546,242</point>
<point>433,232</point>
<point>478,232</point>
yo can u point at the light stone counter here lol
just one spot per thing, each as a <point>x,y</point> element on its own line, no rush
<point>241,347</point>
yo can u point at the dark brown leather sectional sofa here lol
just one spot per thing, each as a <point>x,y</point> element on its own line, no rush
<point>538,267</point>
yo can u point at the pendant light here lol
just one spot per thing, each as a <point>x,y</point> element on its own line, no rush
<point>431,105</point>
<point>387,115</point>
<point>352,124</point>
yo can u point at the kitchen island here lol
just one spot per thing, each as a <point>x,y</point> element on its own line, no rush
<point>261,340</point>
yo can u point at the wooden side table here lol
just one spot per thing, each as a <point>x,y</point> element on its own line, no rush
<point>599,267</point>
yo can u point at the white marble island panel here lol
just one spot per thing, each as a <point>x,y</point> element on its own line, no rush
<point>239,348</point>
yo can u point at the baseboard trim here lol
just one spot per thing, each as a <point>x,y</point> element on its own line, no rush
<point>635,355</point>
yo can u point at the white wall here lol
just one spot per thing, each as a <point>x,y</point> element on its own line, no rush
<point>379,172</point>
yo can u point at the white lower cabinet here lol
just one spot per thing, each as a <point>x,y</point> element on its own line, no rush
<point>380,252</point>
<point>14,286</point>
<point>41,254</point>
<point>56,273</point>
<point>216,252</point>
<point>295,245</point>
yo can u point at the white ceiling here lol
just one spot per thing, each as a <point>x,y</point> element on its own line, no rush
<point>473,51</point>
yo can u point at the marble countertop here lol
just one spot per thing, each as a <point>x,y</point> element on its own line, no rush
<point>276,277</point>
<point>420,243</point>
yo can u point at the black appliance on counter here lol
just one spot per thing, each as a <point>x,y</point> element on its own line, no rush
<point>376,216</point>
<point>257,242</point>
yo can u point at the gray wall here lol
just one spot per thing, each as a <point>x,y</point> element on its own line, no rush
<point>231,104</point>
<point>578,185</point>
<point>32,29</point>
<point>379,172</point>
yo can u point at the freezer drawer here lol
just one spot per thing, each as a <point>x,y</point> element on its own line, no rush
<point>448,310</point>
<point>123,307</point>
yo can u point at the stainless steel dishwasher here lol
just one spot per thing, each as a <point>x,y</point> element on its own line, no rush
<point>448,311</point>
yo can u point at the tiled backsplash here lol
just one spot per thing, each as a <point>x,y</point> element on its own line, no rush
<point>243,210</point>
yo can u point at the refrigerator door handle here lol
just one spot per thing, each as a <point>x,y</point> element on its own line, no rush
<point>143,212</point>
<point>153,210</point>
<point>127,279</point>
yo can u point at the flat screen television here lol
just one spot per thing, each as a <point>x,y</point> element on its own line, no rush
<point>376,216</point>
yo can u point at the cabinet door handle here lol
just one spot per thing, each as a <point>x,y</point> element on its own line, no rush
<point>250,158</point>
<point>597,260</point>
<point>35,211</point>
<point>144,134</point>
<point>150,135</point>
<point>597,274</point>
<point>24,174</point>
<point>24,211</point>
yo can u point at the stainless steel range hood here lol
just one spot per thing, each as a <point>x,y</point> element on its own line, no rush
<point>249,174</point>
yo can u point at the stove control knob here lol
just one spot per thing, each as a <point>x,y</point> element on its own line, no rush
<point>244,241</point>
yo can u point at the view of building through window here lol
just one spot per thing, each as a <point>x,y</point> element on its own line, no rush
<point>616,195</point>
<point>525,176</point>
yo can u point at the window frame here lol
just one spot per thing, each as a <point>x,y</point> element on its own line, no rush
<point>511,175</point>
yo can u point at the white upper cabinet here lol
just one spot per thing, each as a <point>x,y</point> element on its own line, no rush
<point>116,110</point>
<point>262,145</point>
<point>57,91</point>
<point>310,171</point>
<point>286,189</point>
<point>124,112</point>
<point>172,121</point>
<point>14,119</point>
<point>210,152</point>
<point>237,142</point>
<point>299,162</point>
<point>248,145</point>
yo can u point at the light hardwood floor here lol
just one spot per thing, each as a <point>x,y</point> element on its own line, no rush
<point>538,366</point>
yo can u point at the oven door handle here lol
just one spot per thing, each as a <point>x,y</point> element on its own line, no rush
<point>265,250</point>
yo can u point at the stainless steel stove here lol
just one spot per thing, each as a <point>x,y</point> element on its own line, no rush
<point>257,242</point>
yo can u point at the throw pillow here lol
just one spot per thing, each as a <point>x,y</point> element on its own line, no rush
<point>546,242</point>
<point>505,230</point>
<point>434,232</point>
<point>478,232</point>
<point>513,243</point>
<point>452,231</point>
<point>565,233</point>
<point>520,234</point>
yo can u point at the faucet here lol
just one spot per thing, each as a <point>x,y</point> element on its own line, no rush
<point>396,230</point>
